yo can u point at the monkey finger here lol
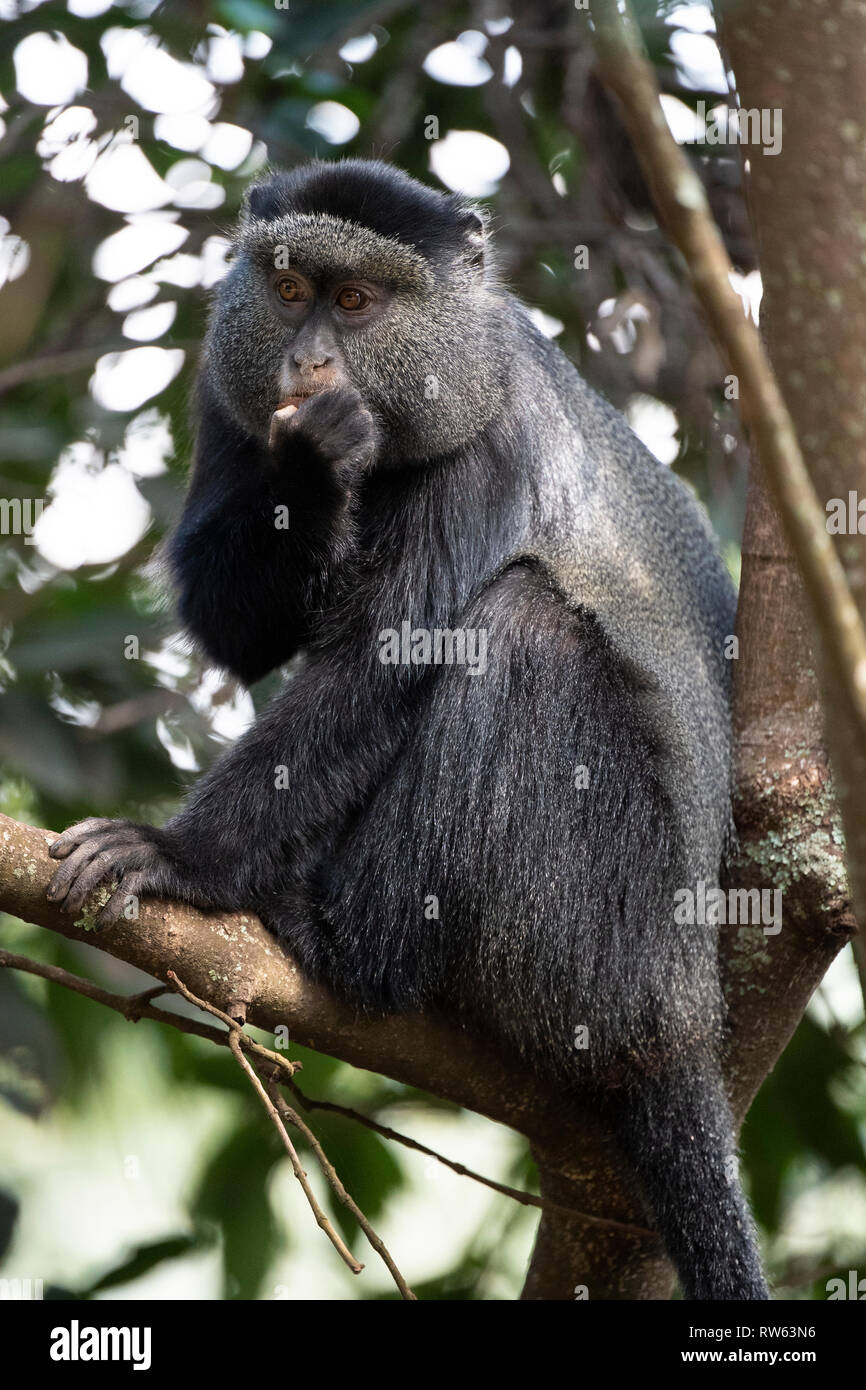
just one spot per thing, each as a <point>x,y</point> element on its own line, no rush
<point>100,869</point>
<point>279,419</point>
<point>69,870</point>
<point>75,834</point>
<point>131,885</point>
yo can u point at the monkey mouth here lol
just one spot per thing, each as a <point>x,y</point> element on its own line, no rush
<point>298,398</point>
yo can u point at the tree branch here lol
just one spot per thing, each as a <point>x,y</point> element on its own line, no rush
<point>297,1167</point>
<point>135,1007</point>
<point>598,1235</point>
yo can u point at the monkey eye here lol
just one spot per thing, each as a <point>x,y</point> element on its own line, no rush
<point>289,290</point>
<point>352,299</point>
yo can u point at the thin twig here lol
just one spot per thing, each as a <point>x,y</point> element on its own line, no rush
<point>55,364</point>
<point>132,1006</point>
<point>321,1219</point>
<point>283,1063</point>
<point>526,1199</point>
<point>278,1110</point>
<point>330,1173</point>
<point>135,1007</point>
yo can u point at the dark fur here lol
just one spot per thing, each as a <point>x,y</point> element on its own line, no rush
<point>519,503</point>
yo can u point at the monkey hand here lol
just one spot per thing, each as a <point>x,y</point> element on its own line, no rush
<point>132,860</point>
<point>333,427</point>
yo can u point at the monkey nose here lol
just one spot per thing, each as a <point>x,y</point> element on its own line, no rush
<point>309,361</point>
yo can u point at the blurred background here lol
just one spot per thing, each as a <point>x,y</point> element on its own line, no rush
<point>135,1162</point>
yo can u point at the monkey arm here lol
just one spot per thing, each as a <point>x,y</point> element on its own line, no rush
<point>254,546</point>
<point>257,823</point>
<point>273,801</point>
<point>255,830</point>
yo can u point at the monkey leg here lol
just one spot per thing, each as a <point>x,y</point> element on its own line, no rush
<point>518,866</point>
<point>518,859</point>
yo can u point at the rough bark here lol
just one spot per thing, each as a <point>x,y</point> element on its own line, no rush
<point>809,210</point>
<point>787,819</point>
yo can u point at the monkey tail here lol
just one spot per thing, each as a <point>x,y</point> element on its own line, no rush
<point>677,1134</point>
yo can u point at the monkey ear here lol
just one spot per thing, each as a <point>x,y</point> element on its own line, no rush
<point>473,226</point>
<point>261,201</point>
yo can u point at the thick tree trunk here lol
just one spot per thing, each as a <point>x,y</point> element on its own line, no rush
<point>787,818</point>
<point>809,209</point>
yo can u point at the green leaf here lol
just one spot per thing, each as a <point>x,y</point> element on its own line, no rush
<point>233,1195</point>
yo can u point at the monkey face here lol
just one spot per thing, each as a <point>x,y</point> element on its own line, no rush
<point>315,300</point>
